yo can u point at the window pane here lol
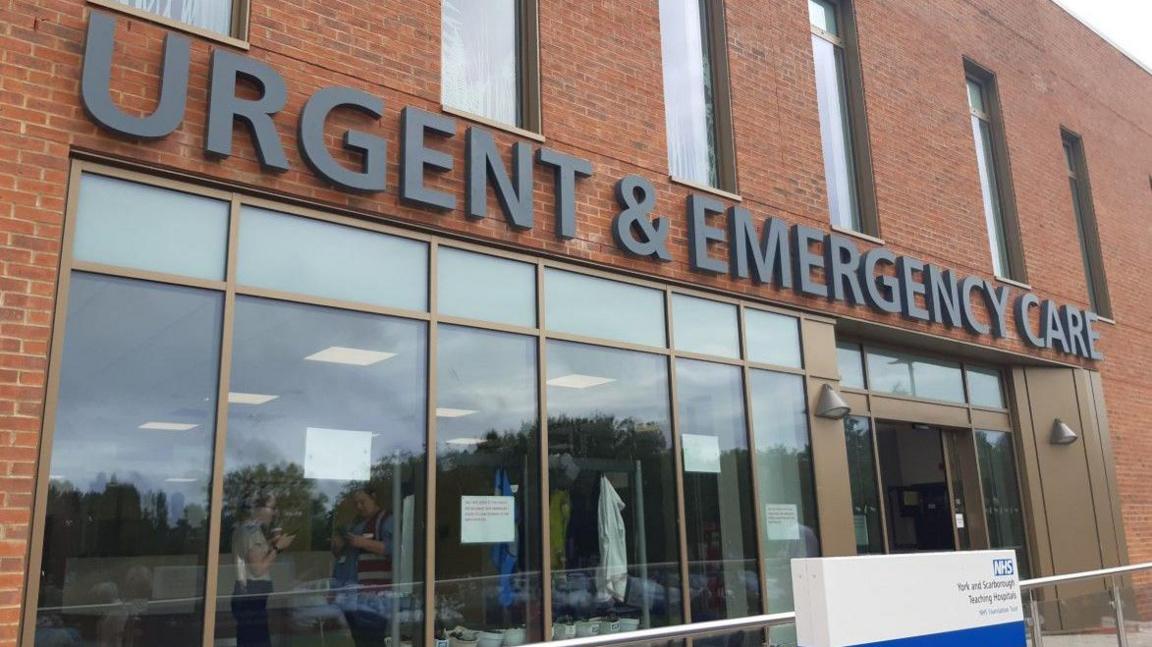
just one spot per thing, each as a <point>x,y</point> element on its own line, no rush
<point>585,305</point>
<point>479,58</point>
<point>1002,495</point>
<point>214,15</point>
<point>484,287</point>
<point>149,228</point>
<point>908,375</point>
<point>295,254</point>
<point>125,533</point>
<point>984,388</point>
<point>324,459</point>
<point>976,96</point>
<point>851,363</point>
<point>990,191</point>
<point>773,338</point>
<point>719,517</point>
<point>688,94</point>
<point>865,487</point>
<point>488,483</point>
<point>703,326</point>
<point>786,485</point>
<point>823,15</point>
<point>835,134</point>
<point>613,543</point>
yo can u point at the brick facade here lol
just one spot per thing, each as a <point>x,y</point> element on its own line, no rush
<point>602,99</point>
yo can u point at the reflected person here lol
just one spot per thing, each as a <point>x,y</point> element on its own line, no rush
<point>256,546</point>
<point>364,559</point>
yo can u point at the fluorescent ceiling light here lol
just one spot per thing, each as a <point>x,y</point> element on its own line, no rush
<point>168,426</point>
<point>353,356</point>
<point>465,441</point>
<point>446,412</point>
<point>55,477</point>
<point>250,398</point>
<point>177,479</point>
<point>578,381</point>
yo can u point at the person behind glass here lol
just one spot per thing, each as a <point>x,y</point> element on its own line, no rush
<point>257,546</point>
<point>364,558</point>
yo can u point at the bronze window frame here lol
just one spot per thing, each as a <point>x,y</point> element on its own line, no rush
<point>1087,227</point>
<point>858,136</point>
<point>807,338</point>
<point>237,36</point>
<point>1016,268</point>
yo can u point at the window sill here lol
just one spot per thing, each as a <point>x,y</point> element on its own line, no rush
<point>707,189</point>
<point>147,16</point>
<point>862,236</point>
<point>492,123</point>
<point>1019,284</point>
<point>1107,320</point>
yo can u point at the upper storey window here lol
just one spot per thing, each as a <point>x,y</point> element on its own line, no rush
<point>696,98</point>
<point>1086,227</point>
<point>225,17</point>
<point>991,159</point>
<point>847,169</point>
<point>488,60</point>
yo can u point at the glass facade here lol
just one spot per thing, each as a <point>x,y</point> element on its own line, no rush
<point>835,121</point>
<point>212,15</point>
<point>480,58</point>
<point>305,430</point>
<point>689,92</point>
<point>990,181</point>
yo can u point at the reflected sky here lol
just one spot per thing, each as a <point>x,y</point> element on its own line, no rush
<point>138,353</point>
<point>384,400</point>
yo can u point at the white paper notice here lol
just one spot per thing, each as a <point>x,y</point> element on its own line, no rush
<point>337,454</point>
<point>960,521</point>
<point>487,519</point>
<point>701,453</point>
<point>860,523</point>
<point>782,521</point>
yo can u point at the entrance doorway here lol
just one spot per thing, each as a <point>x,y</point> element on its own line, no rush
<point>926,475</point>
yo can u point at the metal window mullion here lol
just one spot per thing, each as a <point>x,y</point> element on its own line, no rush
<point>430,451</point>
<point>677,460</point>
<point>220,441</point>
<point>545,475</point>
<point>750,430</point>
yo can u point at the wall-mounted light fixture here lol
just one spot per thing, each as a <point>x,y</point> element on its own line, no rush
<point>831,405</point>
<point>1062,434</point>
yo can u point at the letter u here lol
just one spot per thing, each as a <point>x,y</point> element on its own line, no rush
<point>97,77</point>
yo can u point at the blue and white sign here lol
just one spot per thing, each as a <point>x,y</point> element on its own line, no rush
<point>922,600</point>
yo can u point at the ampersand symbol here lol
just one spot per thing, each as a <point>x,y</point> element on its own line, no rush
<point>633,230</point>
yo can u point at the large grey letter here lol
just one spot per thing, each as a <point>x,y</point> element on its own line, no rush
<point>701,235</point>
<point>373,149</point>
<point>97,77</point>
<point>224,107</point>
<point>841,265</point>
<point>772,262</point>
<point>484,163</point>
<point>568,168</point>
<point>416,157</point>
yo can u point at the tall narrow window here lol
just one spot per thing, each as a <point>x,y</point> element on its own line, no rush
<point>227,17</point>
<point>696,92</point>
<point>846,170</point>
<point>1086,225</point>
<point>999,215</point>
<point>488,60</point>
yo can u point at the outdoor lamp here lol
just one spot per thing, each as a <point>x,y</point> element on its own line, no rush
<point>831,405</point>
<point>1062,434</point>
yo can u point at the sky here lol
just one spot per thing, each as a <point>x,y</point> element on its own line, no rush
<point>1124,22</point>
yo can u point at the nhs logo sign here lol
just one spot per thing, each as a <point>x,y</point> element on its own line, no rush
<point>916,600</point>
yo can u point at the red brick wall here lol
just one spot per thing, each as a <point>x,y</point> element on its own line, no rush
<point>602,99</point>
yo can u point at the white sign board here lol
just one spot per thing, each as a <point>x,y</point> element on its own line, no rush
<point>337,454</point>
<point>782,521</point>
<point>487,519</point>
<point>701,453</point>
<point>924,600</point>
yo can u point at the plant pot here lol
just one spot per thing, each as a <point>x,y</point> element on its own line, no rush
<point>629,624</point>
<point>609,626</point>
<point>490,639</point>
<point>585,628</point>
<point>563,631</point>
<point>455,641</point>
<point>515,637</point>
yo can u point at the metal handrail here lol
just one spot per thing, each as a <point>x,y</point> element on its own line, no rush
<point>1026,585</point>
<point>750,623</point>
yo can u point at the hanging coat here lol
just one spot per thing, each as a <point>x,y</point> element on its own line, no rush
<point>504,555</point>
<point>612,576</point>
